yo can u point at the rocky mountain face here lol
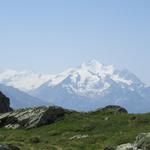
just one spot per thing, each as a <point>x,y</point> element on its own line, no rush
<point>4,104</point>
<point>85,88</point>
<point>94,85</point>
<point>31,117</point>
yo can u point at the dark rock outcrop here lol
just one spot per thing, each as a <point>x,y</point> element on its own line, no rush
<point>109,148</point>
<point>115,109</point>
<point>8,147</point>
<point>4,103</point>
<point>32,117</point>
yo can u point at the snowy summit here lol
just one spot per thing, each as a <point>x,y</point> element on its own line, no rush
<point>87,87</point>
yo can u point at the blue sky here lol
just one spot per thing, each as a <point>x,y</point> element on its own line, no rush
<point>52,35</point>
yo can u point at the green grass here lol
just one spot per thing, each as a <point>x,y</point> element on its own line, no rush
<point>115,130</point>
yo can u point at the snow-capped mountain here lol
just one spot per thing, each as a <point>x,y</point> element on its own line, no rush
<point>87,87</point>
<point>23,80</point>
<point>94,85</point>
<point>19,99</point>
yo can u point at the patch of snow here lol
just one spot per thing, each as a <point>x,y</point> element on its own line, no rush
<point>23,80</point>
<point>89,79</point>
<point>118,79</point>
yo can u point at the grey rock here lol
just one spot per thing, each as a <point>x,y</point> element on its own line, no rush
<point>31,117</point>
<point>142,142</point>
<point>3,147</point>
<point>8,147</point>
<point>127,146</point>
<point>4,103</point>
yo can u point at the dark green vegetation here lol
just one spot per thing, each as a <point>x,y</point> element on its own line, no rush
<point>4,103</point>
<point>103,127</point>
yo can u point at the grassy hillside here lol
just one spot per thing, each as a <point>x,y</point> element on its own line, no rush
<point>103,128</point>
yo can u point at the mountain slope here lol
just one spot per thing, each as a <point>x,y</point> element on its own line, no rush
<point>93,85</point>
<point>81,131</point>
<point>19,99</point>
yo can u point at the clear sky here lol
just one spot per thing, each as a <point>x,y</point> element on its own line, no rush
<point>52,35</point>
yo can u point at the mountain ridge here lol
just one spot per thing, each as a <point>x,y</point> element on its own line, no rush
<point>94,85</point>
<point>20,99</point>
<point>87,87</point>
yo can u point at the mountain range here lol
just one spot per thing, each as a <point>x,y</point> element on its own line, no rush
<point>20,99</point>
<point>85,88</point>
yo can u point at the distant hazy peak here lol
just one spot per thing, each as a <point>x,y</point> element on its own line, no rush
<point>88,75</point>
<point>97,67</point>
<point>23,80</point>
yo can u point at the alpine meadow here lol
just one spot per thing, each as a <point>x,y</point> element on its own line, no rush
<point>74,75</point>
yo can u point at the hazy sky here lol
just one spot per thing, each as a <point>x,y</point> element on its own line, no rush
<point>52,35</point>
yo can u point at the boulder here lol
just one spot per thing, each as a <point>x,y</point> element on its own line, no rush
<point>4,147</point>
<point>31,117</point>
<point>142,142</point>
<point>8,147</point>
<point>127,146</point>
<point>4,103</point>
